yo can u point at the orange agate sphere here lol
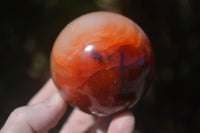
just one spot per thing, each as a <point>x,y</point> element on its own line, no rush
<point>102,62</point>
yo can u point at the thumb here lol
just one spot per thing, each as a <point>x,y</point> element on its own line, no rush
<point>36,118</point>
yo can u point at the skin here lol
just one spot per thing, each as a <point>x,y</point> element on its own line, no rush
<point>47,107</point>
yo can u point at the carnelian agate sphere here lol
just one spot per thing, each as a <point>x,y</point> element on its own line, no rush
<point>102,62</point>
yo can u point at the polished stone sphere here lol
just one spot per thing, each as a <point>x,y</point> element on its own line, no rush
<point>102,62</point>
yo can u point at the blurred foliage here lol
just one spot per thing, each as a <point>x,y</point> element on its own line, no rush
<point>28,29</point>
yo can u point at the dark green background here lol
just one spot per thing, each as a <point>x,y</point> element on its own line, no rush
<point>28,29</point>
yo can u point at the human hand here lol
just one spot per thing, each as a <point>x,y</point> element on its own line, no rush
<point>47,107</point>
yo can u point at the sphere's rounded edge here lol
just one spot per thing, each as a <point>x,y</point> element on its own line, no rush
<point>63,45</point>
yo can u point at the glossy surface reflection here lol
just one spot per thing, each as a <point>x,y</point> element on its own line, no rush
<point>102,62</point>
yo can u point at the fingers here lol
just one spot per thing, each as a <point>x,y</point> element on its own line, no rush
<point>36,118</point>
<point>78,122</point>
<point>47,90</point>
<point>122,123</point>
